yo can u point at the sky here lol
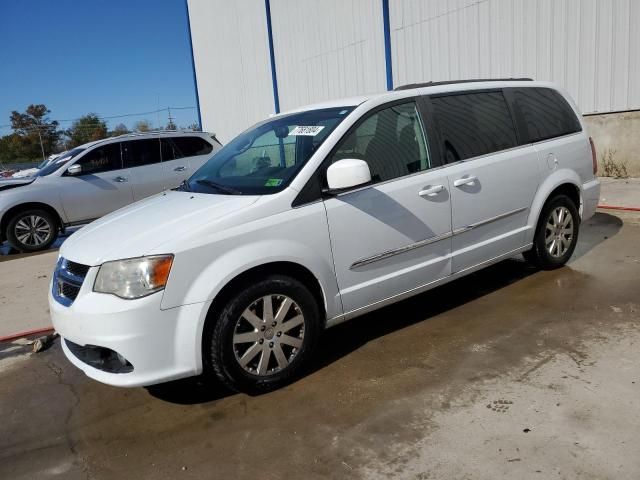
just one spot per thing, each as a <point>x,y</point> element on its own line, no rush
<point>109,57</point>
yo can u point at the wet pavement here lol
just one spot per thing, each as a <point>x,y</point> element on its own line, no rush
<point>507,373</point>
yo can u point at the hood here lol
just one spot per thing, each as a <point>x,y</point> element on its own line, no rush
<point>137,229</point>
<point>29,172</point>
<point>7,183</point>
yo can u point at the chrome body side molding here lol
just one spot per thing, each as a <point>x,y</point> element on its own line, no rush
<point>396,251</point>
<point>427,241</point>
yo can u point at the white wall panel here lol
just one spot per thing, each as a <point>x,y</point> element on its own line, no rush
<point>327,49</point>
<point>591,47</point>
<point>231,52</point>
<point>335,48</point>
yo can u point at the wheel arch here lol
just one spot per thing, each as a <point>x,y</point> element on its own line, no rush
<point>6,218</point>
<point>288,268</point>
<point>564,182</point>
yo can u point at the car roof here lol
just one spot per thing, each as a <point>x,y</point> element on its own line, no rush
<point>428,88</point>
<point>152,134</point>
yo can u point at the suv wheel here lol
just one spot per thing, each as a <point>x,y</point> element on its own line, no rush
<point>264,335</point>
<point>32,230</point>
<point>556,234</point>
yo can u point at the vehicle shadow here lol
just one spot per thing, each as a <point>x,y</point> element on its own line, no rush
<point>190,391</point>
<point>343,339</point>
<point>594,231</point>
<point>8,253</point>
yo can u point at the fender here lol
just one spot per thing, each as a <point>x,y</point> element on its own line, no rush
<point>20,204</point>
<point>209,283</point>
<point>559,177</point>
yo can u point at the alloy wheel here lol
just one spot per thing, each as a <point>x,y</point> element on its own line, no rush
<point>33,230</point>
<point>268,335</point>
<point>559,231</point>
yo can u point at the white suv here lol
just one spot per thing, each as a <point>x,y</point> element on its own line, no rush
<point>316,216</point>
<point>94,179</point>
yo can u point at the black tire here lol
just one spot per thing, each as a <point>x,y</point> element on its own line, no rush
<point>540,254</point>
<point>42,219</point>
<point>222,355</point>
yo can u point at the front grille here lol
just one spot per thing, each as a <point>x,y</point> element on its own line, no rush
<point>76,269</point>
<point>67,281</point>
<point>67,290</point>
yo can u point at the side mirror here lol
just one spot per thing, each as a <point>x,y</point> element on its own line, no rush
<point>348,173</point>
<point>74,170</point>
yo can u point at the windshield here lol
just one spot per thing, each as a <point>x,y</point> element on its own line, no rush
<point>43,163</point>
<point>265,158</point>
<point>59,161</point>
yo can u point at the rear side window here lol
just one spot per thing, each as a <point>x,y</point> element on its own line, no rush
<point>390,140</point>
<point>191,146</point>
<point>167,151</point>
<point>102,159</point>
<point>473,124</point>
<point>544,114</point>
<point>142,152</point>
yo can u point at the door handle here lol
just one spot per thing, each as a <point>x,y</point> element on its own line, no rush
<point>120,179</point>
<point>179,169</point>
<point>431,191</point>
<point>470,180</point>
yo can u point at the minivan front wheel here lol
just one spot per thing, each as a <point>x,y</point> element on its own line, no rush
<point>556,234</point>
<point>264,335</point>
<point>32,230</point>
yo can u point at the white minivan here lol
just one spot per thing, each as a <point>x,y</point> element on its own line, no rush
<point>316,216</point>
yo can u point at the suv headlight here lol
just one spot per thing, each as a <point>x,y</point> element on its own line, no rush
<point>134,277</point>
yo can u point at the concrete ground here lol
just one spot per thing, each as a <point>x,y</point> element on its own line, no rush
<point>24,282</point>
<point>620,192</point>
<point>508,373</point>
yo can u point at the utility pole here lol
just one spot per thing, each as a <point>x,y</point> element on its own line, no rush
<point>40,137</point>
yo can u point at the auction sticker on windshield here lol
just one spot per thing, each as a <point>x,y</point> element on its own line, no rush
<point>306,131</point>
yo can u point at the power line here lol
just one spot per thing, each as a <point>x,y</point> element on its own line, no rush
<point>109,117</point>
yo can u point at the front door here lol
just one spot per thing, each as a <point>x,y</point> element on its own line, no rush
<point>102,187</point>
<point>395,235</point>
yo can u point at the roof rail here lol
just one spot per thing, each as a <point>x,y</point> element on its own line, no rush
<point>450,82</point>
<point>155,132</point>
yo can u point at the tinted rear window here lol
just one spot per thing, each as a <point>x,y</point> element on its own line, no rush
<point>473,124</point>
<point>142,152</point>
<point>191,146</point>
<point>544,114</point>
<point>167,150</point>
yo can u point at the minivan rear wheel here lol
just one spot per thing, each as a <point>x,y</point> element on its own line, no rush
<point>32,230</point>
<point>264,335</point>
<point>556,234</point>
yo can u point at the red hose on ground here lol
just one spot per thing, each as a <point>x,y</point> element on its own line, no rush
<point>612,207</point>
<point>15,336</point>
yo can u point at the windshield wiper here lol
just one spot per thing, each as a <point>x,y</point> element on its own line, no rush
<point>183,187</point>
<point>222,188</point>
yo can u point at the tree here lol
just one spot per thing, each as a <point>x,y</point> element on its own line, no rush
<point>120,129</point>
<point>36,135</point>
<point>87,128</point>
<point>142,126</point>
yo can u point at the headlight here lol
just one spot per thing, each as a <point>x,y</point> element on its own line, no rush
<point>134,277</point>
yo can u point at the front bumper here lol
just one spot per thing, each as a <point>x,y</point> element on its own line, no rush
<point>161,345</point>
